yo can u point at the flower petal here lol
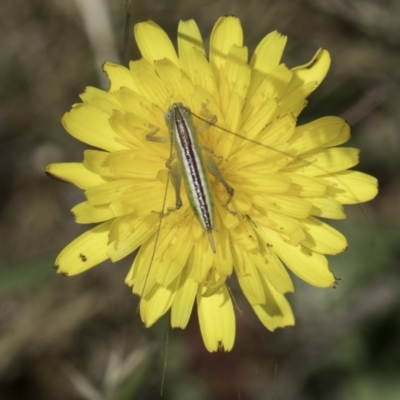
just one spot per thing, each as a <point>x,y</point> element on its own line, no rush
<point>119,77</point>
<point>193,57</point>
<point>74,173</point>
<point>314,71</point>
<point>106,102</point>
<point>248,277</point>
<point>110,191</point>
<point>322,162</point>
<point>90,125</point>
<point>276,312</point>
<point>149,84</point>
<point>88,214</point>
<point>266,58</point>
<point>233,85</point>
<point>273,271</point>
<point>178,85</point>
<point>201,259</point>
<point>352,187</point>
<point>326,207</point>
<point>154,44</point>
<point>307,265</point>
<point>86,251</point>
<point>189,37</point>
<point>128,233</point>
<point>223,257</point>
<point>227,32</point>
<point>94,161</point>
<point>306,186</point>
<point>322,238</point>
<point>157,302</point>
<point>289,205</point>
<point>183,304</point>
<point>216,319</point>
<point>174,241</point>
<point>323,132</point>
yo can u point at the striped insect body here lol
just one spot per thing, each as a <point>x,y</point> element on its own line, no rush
<point>189,163</point>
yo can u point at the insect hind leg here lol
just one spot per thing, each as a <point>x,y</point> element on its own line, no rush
<point>175,177</point>
<point>212,167</point>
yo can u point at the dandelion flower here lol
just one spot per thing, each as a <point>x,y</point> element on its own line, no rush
<point>285,178</point>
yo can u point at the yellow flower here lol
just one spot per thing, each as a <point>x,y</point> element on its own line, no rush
<point>284,176</point>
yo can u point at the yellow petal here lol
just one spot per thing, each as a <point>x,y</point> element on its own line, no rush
<point>94,161</point>
<point>148,83</point>
<point>183,304</point>
<point>306,186</point>
<point>254,122</point>
<point>147,198</point>
<point>157,302</point>
<point>227,32</point>
<point>105,101</point>
<point>314,71</point>
<point>133,164</point>
<point>201,259</point>
<point>322,162</point>
<point>189,37</point>
<point>352,187</point>
<point>295,101</point>
<point>266,58</point>
<point>74,173</point>
<point>178,84</point>
<point>244,233</point>
<point>223,256</point>
<point>234,82</point>
<point>177,249</point>
<point>276,312</point>
<point>85,251</point>
<point>141,275</point>
<point>283,224</point>
<point>273,271</point>
<point>307,265</point>
<point>110,191</point>
<point>327,207</point>
<point>278,131</point>
<point>193,57</point>
<point>217,320</point>
<point>154,44</point>
<point>322,238</point>
<point>132,131</point>
<point>288,205</point>
<point>263,183</point>
<point>119,76</point>
<point>135,103</point>
<point>323,132</point>
<point>91,125</point>
<point>266,90</point>
<point>87,214</point>
<point>154,256</point>
<point>248,277</point>
<point>213,283</point>
<point>127,234</point>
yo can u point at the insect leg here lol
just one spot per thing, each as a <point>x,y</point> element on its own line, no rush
<point>212,167</point>
<point>151,136</point>
<point>176,179</point>
<point>208,119</point>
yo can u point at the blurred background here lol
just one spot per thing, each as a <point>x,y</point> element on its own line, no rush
<point>81,338</point>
